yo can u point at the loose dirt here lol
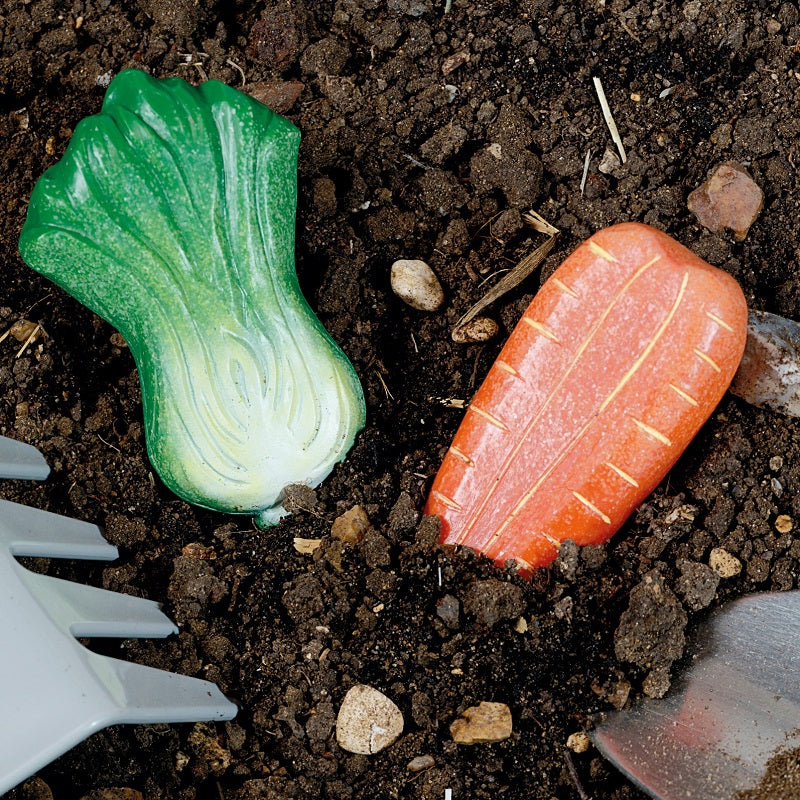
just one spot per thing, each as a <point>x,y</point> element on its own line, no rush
<point>427,132</point>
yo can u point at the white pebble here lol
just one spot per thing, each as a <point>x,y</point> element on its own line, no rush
<point>368,721</point>
<point>415,283</point>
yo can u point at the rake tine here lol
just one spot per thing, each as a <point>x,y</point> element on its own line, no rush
<point>91,612</point>
<point>21,461</point>
<point>151,695</point>
<point>32,532</point>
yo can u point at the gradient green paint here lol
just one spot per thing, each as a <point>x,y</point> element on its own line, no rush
<point>172,215</point>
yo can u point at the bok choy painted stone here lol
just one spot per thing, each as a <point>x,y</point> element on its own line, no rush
<point>172,215</point>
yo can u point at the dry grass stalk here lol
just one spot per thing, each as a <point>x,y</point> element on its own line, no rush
<point>521,271</point>
<point>607,116</point>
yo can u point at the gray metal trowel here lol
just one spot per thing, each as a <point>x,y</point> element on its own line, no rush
<point>735,707</point>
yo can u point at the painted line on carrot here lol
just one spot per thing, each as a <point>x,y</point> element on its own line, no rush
<point>541,328</point>
<point>721,322</point>
<point>491,418</point>
<point>652,432</point>
<point>593,508</point>
<point>650,345</point>
<point>553,541</point>
<point>707,358</point>
<point>443,498</point>
<point>472,521</point>
<point>463,456</point>
<point>502,365</point>
<point>622,474</point>
<point>599,251</point>
<point>685,395</point>
<point>559,284</point>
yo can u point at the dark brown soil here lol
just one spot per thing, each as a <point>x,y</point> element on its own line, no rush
<point>398,106</point>
<point>782,778</point>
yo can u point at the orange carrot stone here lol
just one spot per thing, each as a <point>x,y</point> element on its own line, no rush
<point>614,367</point>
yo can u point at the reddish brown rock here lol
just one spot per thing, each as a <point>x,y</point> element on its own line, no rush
<point>730,198</point>
<point>280,96</point>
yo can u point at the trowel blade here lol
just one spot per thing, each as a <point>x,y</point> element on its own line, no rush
<point>21,461</point>
<point>736,707</point>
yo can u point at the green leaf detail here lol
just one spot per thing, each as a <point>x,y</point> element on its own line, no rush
<point>172,216</point>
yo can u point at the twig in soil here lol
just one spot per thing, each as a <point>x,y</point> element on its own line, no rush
<point>473,379</point>
<point>585,169</point>
<point>415,161</point>
<point>108,444</point>
<point>521,271</point>
<point>220,792</point>
<point>628,30</point>
<point>33,305</point>
<point>232,63</point>
<point>447,6</point>
<point>389,395</point>
<point>607,116</point>
<point>573,773</point>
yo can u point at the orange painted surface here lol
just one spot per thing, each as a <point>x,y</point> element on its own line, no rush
<point>616,364</point>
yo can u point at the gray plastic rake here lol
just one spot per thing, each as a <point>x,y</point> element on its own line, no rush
<point>53,691</point>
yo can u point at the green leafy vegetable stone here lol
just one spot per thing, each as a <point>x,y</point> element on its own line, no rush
<point>172,215</point>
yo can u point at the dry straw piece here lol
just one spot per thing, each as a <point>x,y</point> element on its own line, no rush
<point>607,116</point>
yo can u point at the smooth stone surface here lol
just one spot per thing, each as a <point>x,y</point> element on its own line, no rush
<point>486,722</point>
<point>769,373</point>
<point>730,198</point>
<point>351,526</point>
<point>368,721</point>
<point>416,284</point>
<point>420,763</point>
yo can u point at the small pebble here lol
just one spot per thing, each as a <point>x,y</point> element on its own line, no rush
<point>619,693</point>
<point>479,329</point>
<point>280,96</point>
<point>24,329</point>
<point>730,198</point>
<point>306,546</point>
<point>199,550</point>
<point>784,523</point>
<point>724,563</point>
<point>415,283</point>
<point>521,625</point>
<point>351,526</point>
<point>368,721</point>
<point>448,609</point>
<point>578,742</point>
<point>454,61</point>
<point>420,763</point>
<point>486,722</point>
<point>776,463</point>
<point>609,162</point>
